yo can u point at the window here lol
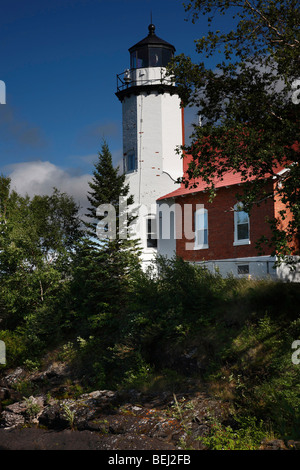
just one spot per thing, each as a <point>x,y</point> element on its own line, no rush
<point>130,162</point>
<point>243,269</point>
<point>155,57</point>
<point>142,57</point>
<point>151,232</point>
<point>150,56</point>
<point>133,60</point>
<point>166,57</point>
<point>241,225</point>
<point>201,229</point>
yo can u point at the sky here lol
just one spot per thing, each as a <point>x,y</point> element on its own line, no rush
<point>59,60</point>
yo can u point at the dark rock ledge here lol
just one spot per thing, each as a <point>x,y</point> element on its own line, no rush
<point>105,419</point>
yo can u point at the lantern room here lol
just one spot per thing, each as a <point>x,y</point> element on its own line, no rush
<point>151,52</point>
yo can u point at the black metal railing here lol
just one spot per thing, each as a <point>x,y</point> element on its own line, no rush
<point>125,80</point>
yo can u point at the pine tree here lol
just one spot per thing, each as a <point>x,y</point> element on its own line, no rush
<point>108,187</point>
<point>103,268</point>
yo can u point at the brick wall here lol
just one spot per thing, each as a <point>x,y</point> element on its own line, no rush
<point>221,226</point>
<point>283,225</point>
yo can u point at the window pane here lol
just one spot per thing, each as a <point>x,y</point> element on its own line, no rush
<point>151,233</point>
<point>131,162</point>
<point>142,55</point>
<point>155,57</point>
<point>133,60</point>
<point>201,228</point>
<point>242,217</point>
<point>151,243</point>
<point>243,231</point>
<point>201,237</point>
<point>243,269</point>
<point>166,57</point>
<point>205,237</point>
<point>201,220</point>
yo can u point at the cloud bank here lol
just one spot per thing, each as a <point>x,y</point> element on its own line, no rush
<point>40,177</point>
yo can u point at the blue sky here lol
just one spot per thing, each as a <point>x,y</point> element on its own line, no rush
<point>59,61</point>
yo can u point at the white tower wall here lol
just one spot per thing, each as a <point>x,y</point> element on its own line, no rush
<point>152,129</point>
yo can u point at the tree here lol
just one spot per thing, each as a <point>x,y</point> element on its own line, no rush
<point>36,240</point>
<point>108,188</point>
<point>111,213</point>
<point>248,103</point>
<point>103,267</point>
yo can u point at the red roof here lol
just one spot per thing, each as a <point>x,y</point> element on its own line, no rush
<point>228,179</point>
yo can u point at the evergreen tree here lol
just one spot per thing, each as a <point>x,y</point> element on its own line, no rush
<point>108,187</point>
<point>103,268</point>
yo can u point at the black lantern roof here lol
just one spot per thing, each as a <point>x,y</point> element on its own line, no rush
<point>152,40</point>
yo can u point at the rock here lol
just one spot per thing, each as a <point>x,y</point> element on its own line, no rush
<point>17,408</point>
<point>54,417</point>
<point>4,393</point>
<point>14,377</point>
<point>274,444</point>
<point>293,445</point>
<point>11,420</point>
<point>108,419</point>
<point>55,374</point>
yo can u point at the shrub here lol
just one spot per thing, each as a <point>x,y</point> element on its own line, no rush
<point>247,437</point>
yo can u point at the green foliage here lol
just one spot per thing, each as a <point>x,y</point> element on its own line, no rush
<point>247,437</point>
<point>36,238</point>
<point>69,415</point>
<point>139,376</point>
<point>109,193</point>
<point>102,269</point>
<point>16,347</point>
<point>171,307</point>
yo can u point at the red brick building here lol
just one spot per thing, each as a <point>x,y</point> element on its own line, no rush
<point>219,233</point>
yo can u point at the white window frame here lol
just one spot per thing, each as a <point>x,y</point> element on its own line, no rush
<point>201,225</point>
<point>244,241</point>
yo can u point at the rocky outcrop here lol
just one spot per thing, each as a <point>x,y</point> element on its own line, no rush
<point>105,419</point>
<point>110,419</point>
<point>155,422</point>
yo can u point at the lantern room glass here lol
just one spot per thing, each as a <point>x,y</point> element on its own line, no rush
<point>150,57</point>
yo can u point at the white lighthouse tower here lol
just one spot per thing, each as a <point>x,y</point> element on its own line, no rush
<point>152,130</point>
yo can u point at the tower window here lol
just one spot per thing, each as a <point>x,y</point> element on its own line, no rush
<point>166,57</point>
<point>130,162</point>
<point>155,57</point>
<point>150,57</point>
<point>151,232</point>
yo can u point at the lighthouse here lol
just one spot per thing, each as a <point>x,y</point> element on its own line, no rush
<point>153,128</point>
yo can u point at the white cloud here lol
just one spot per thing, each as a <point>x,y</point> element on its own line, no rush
<point>40,177</point>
